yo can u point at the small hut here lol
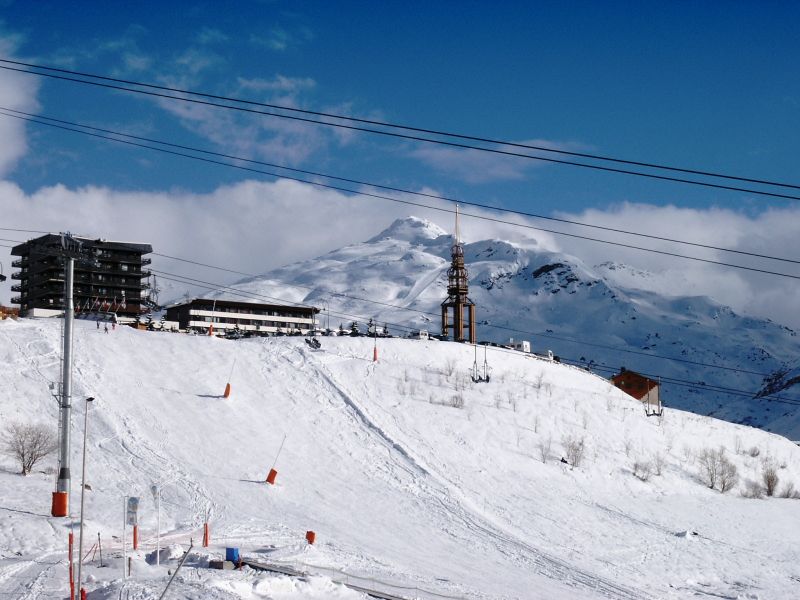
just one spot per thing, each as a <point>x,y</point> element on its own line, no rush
<point>645,390</point>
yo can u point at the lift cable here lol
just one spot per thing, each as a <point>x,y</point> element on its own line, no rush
<point>417,138</point>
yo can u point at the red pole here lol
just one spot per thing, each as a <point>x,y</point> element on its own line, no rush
<point>71,569</point>
<point>135,537</point>
<point>206,536</point>
<point>271,477</point>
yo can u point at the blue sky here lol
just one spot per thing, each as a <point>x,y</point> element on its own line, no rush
<point>706,85</point>
<point>711,85</point>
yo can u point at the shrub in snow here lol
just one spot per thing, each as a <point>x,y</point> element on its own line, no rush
<point>788,491</point>
<point>28,444</point>
<point>627,444</point>
<point>716,469</point>
<point>457,401</point>
<point>729,476</point>
<point>753,489</point>
<point>754,451</point>
<point>544,448</point>
<point>658,463</point>
<point>642,469</point>
<point>770,478</point>
<point>574,448</point>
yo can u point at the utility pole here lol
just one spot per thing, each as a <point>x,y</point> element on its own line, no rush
<point>70,250</point>
<point>83,488</point>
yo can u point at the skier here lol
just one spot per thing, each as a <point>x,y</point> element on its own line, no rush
<point>105,327</point>
<point>98,324</point>
<point>113,326</point>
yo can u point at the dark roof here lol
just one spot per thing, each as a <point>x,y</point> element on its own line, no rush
<point>53,238</point>
<point>209,302</point>
<point>633,383</point>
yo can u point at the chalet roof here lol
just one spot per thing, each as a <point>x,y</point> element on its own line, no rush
<point>633,383</point>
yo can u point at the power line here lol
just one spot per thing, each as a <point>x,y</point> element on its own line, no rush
<point>22,230</point>
<point>501,327</point>
<point>402,127</point>
<point>671,380</point>
<point>683,383</point>
<point>408,202</point>
<point>411,137</point>
<point>40,118</point>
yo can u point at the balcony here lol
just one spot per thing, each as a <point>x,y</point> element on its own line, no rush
<point>20,262</point>
<point>19,275</point>
<point>146,261</point>
<point>16,288</point>
<point>16,300</point>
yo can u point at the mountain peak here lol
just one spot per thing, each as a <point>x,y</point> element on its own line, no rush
<point>410,229</point>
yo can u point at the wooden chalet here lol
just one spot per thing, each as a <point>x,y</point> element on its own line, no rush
<point>644,389</point>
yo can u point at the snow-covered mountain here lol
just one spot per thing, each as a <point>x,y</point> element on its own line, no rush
<point>617,315</point>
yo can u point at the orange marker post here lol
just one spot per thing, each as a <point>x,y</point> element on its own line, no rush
<point>271,477</point>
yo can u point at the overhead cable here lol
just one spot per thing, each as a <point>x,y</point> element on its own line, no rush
<point>408,202</point>
<point>43,120</point>
<point>408,136</point>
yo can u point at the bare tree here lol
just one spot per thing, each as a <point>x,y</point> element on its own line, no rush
<point>658,463</point>
<point>574,448</point>
<point>728,476</point>
<point>770,478</point>
<point>544,448</point>
<point>642,469</point>
<point>29,443</point>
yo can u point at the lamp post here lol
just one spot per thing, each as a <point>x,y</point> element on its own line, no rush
<point>156,490</point>
<point>83,489</point>
<point>213,318</point>
<point>328,314</point>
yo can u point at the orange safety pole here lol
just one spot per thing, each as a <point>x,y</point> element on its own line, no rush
<point>71,568</point>
<point>271,477</point>
<point>311,537</point>
<point>228,385</point>
<point>135,537</point>
<point>206,535</point>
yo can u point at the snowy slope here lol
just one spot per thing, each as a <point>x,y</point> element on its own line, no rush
<point>401,487</point>
<point>527,293</point>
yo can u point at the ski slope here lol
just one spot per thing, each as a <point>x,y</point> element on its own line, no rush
<point>609,315</point>
<point>406,492</point>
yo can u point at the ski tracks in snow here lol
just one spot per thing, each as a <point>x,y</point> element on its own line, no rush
<point>450,499</point>
<point>27,579</point>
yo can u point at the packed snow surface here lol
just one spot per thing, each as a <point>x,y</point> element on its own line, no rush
<point>417,481</point>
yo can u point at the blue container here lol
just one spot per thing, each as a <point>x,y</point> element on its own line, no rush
<point>232,554</point>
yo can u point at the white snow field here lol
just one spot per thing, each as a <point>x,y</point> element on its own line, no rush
<point>406,492</point>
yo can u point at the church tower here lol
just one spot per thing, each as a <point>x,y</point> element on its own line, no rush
<point>457,299</point>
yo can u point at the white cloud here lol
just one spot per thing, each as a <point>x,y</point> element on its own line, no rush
<point>272,139</point>
<point>209,35</point>
<point>476,166</point>
<point>280,39</point>
<point>249,226</point>
<point>255,226</point>
<point>772,232</point>
<point>18,92</point>
<point>279,83</point>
